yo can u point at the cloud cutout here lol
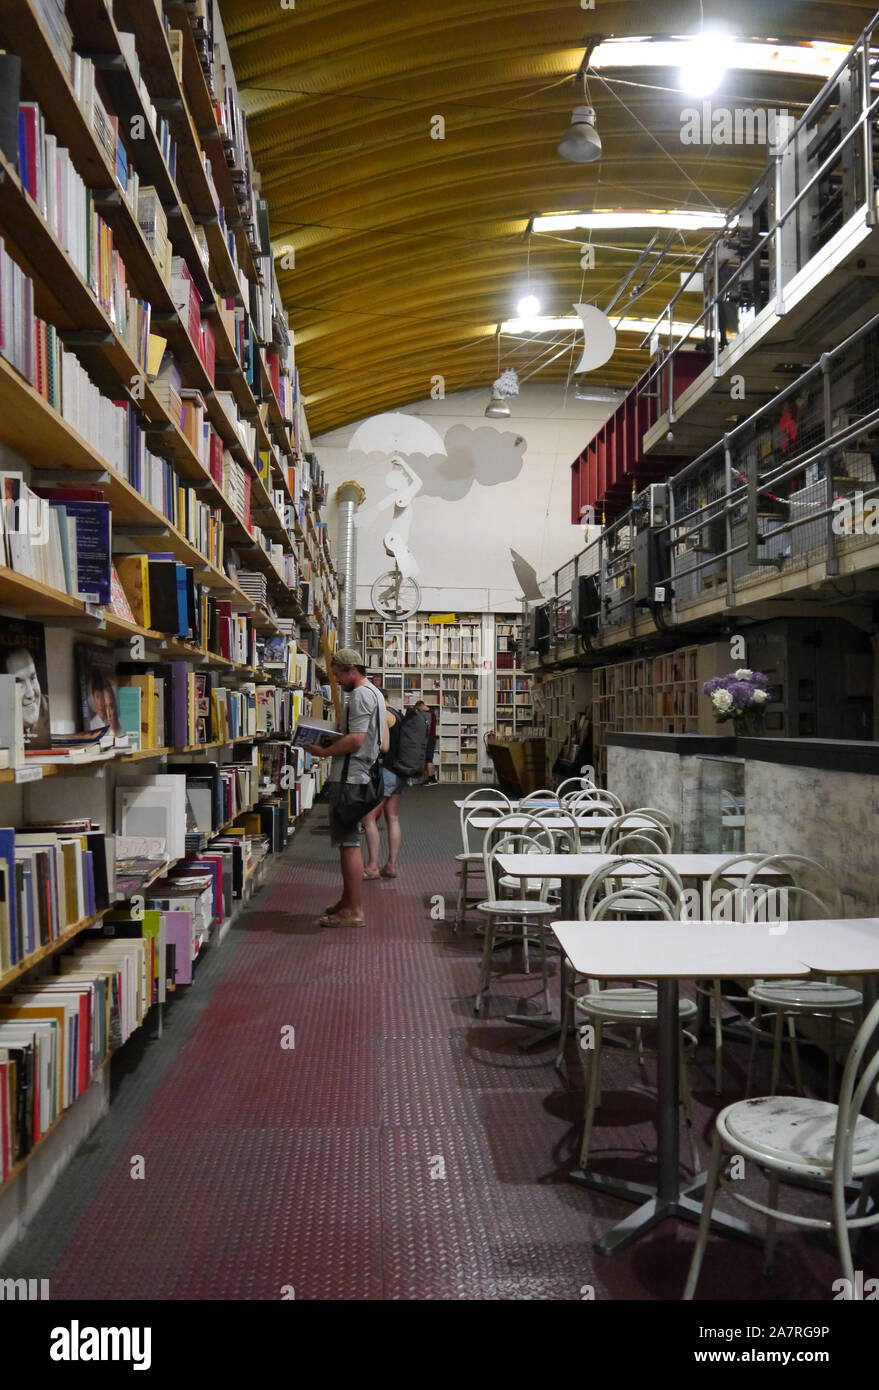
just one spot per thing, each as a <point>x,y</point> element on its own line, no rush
<point>485,455</point>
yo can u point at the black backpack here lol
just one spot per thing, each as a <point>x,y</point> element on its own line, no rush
<point>407,754</point>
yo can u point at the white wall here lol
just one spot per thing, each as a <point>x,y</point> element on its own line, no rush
<point>498,495</point>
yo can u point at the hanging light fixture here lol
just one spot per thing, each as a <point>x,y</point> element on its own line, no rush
<point>506,385</point>
<point>582,143</point>
<point>498,407</point>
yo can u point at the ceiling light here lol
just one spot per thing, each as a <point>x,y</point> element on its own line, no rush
<point>793,60</point>
<point>604,395</point>
<point>528,307</point>
<point>547,324</point>
<point>704,64</point>
<point>684,219</point>
<point>582,143</point>
<point>498,407</point>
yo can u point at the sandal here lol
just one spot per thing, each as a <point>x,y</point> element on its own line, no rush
<point>342,919</point>
<point>372,876</point>
<point>387,873</point>
<point>333,908</point>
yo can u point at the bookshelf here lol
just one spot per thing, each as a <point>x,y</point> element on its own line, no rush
<point>441,664</point>
<point>147,362</point>
<point>565,703</point>
<point>513,708</point>
<point>659,694</point>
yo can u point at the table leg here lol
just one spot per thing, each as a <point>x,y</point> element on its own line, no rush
<point>667,1199</point>
<point>550,1028</point>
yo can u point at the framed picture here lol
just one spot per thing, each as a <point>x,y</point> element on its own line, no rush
<point>98,688</point>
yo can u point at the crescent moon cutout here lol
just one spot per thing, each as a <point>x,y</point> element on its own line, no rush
<point>600,338</point>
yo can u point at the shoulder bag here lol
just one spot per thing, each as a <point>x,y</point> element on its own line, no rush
<point>355,800</point>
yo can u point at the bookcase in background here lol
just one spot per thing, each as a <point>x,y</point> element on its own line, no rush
<point>468,671</point>
<point>513,709</point>
<point>660,694</point>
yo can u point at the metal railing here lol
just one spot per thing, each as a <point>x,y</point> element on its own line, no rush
<point>793,484</point>
<point>793,195</point>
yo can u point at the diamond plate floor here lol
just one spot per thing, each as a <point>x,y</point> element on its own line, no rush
<point>401,1149</point>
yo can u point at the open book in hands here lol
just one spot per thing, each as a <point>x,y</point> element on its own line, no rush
<point>316,731</point>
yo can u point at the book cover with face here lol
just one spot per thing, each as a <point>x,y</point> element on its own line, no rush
<point>23,655</point>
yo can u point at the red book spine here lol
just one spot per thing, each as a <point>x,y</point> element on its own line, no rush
<point>215,464</point>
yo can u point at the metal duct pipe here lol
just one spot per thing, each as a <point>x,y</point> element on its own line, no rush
<point>348,498</point>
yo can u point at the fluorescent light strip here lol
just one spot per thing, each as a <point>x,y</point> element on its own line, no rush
<point>547,324</point>
<point>683,219</point>
<point>818,60</point>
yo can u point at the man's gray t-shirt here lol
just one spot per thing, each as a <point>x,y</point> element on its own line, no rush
<point>365,715</point>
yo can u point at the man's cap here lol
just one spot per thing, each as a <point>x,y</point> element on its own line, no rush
<point>348,656</point>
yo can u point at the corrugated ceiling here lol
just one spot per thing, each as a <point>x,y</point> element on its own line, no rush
<point>409,250</point>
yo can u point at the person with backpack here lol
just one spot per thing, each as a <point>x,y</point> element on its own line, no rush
<point>404,759</point>
<point>430,777</point>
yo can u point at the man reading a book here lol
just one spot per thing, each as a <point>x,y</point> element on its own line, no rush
<point>364,737</point>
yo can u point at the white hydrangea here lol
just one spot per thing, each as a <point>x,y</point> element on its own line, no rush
<point>722,701</point>
<point>744,674</point>
<point>759,697</point>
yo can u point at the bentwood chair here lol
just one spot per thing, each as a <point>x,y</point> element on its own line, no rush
<point>635,894</point>
<point>470,859</point>
<point>594,801</point>
<point>791,1138</point>
<point>636,834</point>
<point>572,785</point>
<point>812,893</point>
<point>725,902</point>
<point>634,1006</point>
<point>507,837</point>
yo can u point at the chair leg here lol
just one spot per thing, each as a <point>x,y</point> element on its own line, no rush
<point>776,1050</point>
<point>485,972</point>
<point>831,1060</point>
<point>593,1094</point>
<point>566,1007</point>
<point>861,1208</point>
<point>769,1242</point>
<point>461,907</point>
<point>526,964</point>
<point>840,1227</point>
<point>544,970</point>
<point>704,1220</point>
<point>795,1053</point>
<point>752,1055</point>
<point>687,1102</point>
<point>718,1039</point>
<point>640,1047</point>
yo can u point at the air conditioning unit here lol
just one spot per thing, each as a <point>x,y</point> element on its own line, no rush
<point>585,605</point>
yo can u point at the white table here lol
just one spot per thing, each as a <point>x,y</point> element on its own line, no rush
<point>515,821</point>
<point>570,868</point>
<point>668,952</point>
<point>515,805</point>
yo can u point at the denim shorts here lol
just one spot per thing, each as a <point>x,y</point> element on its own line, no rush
<point>393,782</point>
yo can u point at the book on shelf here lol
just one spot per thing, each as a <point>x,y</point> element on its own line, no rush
<point>23,655</point>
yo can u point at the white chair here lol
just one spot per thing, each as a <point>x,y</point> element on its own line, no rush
<point>633,1006</point>
<point>573,785</point>
<point>594,801</point>
<point>507,837</point>
<point>631,834</point>
<point>790,1137</point>
<point>470,859</point>
<point>725,897</point>
<point>786,1000</point>
<point>635,894</point>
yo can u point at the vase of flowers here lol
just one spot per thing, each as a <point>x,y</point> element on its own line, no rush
<point>740,696</point>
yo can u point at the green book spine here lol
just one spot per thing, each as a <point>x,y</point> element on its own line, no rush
<point>129,713</point>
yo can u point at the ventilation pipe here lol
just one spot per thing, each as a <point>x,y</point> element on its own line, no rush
<point>349,497</point>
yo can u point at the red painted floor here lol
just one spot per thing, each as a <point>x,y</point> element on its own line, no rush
<point>403,1149</point>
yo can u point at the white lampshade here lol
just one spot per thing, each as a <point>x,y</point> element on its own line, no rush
<point>581,144</point>
<point>498,408</point>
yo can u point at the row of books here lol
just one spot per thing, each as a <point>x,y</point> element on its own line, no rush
<point>55,1034</point>
<point>48,882</point>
